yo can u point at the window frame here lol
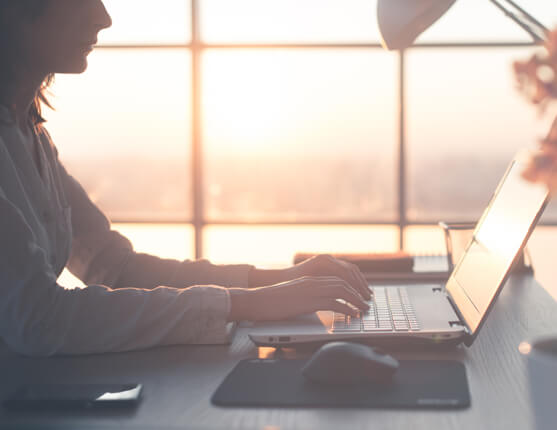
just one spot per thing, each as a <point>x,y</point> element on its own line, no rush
<point>196,47</point>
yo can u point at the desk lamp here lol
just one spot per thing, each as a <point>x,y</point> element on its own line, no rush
<point>402,21</point>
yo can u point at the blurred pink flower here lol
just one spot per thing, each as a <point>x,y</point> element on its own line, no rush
<point>537,79</point>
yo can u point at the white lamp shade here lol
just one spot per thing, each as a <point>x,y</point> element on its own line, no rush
<point>402,21</point>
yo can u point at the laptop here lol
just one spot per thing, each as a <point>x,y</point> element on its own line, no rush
<point>412,313</point>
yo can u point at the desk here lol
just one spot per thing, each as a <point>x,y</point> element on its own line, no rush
<point>180,380</point>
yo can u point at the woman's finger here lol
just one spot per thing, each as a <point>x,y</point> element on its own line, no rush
<point>325,263</point>
<point>363,282</point>
<point>349,272</point>
<point>344,292</point>
<point>335,306</point>
<point>334,280</point>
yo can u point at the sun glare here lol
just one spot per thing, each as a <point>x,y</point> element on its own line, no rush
<point>248,109</point>
<point>298,101</point>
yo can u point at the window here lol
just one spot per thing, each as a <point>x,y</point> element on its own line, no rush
<point>267,119</point>
<point>288,21</point>
<point>288,137</point>
<point>124,130</point>
<point>459,143</point>
<point>144,22</point>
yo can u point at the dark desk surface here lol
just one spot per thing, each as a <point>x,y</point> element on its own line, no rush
<point>178,381</point>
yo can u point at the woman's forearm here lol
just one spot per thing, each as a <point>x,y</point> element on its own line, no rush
<point>263,277</point>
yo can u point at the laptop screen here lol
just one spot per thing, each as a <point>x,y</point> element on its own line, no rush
<point>499,236</point>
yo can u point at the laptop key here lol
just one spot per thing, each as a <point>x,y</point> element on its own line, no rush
<point>390,310</point>
<point>369,329</point>
<point>346,327</point>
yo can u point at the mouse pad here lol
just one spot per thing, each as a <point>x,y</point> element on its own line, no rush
<point>279,383</point>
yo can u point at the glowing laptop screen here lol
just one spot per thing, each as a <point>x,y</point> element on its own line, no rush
<point>499,236</point>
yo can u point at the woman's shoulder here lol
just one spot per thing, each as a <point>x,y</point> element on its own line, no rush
<point>46,141</point>
<point>44,136</point>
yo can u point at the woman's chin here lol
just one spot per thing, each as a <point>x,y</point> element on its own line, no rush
<point>76,67</point>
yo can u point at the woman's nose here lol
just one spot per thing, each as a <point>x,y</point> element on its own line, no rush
<point>102,18</point>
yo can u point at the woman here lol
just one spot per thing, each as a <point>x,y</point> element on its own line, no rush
<point>47,222</point>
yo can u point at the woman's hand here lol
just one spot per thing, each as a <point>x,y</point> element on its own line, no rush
<point>320,265</point>
<point>326,265</point>
<point>300,296</point>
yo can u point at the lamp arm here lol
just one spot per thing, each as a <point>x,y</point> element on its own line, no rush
<point>527,15</point>
<point>529,22</point>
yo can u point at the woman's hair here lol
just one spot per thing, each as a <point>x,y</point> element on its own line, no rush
<point>9,50</point>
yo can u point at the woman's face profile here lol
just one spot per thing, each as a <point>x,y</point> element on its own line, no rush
<point>61,37</point>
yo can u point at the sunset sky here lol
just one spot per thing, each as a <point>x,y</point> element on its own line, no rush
<point>335,103</point>
<point>257,102</point>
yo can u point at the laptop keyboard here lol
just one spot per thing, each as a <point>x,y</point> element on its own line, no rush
<point>390,310</point>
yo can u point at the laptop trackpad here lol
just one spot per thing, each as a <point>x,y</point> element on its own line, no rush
<point>314,323</point>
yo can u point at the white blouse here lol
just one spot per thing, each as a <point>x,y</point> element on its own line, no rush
<point>132,301</point>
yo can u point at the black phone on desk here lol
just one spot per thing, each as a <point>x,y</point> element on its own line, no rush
<point>73,396</point>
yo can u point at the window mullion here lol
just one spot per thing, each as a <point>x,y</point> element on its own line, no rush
<point>402,192</point>
<point>197,154</point>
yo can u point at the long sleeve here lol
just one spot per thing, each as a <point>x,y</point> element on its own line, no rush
<point>133,301</point>
<point>38,317</point>
<point>101,255</point>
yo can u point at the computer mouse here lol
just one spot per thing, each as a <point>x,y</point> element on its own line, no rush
<point>349,363</point>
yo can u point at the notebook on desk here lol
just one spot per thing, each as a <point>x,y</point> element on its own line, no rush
<point>451,312</point>
<point>394,265</point>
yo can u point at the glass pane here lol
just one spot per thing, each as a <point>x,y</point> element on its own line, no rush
<point>465,122</point>
<point>482,21</point>
<point>147,22</point>
<point>300,135</point>
<point>423,240</point>
<point>275,246</point>
<point>543,10</point>
<point>239,21</point>
<point>123,129</point>
<point>163,240</point>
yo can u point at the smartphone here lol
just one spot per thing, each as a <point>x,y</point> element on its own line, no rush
<point>74,396</point>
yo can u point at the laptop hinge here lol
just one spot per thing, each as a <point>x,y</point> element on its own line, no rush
<point>460,322</point>
<point>456,324</point>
